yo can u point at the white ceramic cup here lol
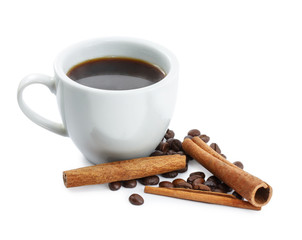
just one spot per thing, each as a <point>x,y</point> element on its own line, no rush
<point>109,125</point>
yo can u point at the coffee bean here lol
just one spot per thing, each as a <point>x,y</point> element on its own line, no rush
<point>238,164</point>
<point>169,134</point>
<point>170,140</point>
<point>201,174</point>
<point>156,153</point>
<point>166,184</point>
<point>180,183</point>
<point>170,174</point>
<point>164,147</point>
<point>215,147</point>
<point>151,180</point>
<point>129,183</point>
<point>190,179</point>
<point>177,181</point>
<point>158,146</point>
<point>194,132</point>
<point>204,138</point>
<point>237,195</point>
<point>199,180</point>
<point>188,136</point>
<point>113,186</point>
<point>136,199</point>
<point>224,188</point>
<point>223,156</point>
<point>211,184</point>
<point>214,179</point>
<point>176,145</point>
<point>201,187</point>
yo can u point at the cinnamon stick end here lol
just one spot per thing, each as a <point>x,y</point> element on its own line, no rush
<point>262,195</point>
<point>65,179</point>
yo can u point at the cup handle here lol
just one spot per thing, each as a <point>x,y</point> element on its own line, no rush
<point>58,128</point>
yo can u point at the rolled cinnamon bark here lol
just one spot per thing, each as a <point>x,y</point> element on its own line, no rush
<point>253,189</point>
<point>201,196</point>
<point>123,170</point>
<point>210,150</point>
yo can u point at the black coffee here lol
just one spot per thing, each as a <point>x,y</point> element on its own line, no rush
<point>116,73</point>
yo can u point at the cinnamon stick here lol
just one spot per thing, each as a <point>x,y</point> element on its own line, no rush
<point>256,191</point>
<point>201,196</point>
<point>211,151</point>
<point>123,170</point>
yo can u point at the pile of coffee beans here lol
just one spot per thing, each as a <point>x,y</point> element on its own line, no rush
<point>196,180</point>
<point>170,146</point>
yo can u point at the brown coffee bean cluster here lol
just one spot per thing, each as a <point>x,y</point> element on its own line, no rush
<point>216,185</point>
<point>196,180</point>
<point>196,133</point>
<point>170,146</point>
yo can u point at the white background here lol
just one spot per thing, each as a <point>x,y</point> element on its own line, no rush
<point>239,83</point>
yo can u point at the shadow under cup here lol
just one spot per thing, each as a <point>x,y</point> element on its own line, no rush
<point>111,125</point>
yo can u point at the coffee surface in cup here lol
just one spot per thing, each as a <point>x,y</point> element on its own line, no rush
<point>116,73</point>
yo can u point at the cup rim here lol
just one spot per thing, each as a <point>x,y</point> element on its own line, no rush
<point>163,50</point>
